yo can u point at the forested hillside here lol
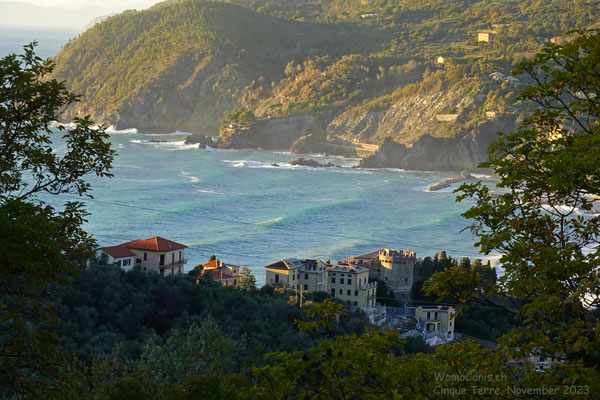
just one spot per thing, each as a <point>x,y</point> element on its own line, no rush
<point>355,70</point>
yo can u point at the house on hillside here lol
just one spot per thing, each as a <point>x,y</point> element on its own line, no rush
<point>118,255</point>
<point>225,274</point>
<point>436,322</point>
<point>497,76</point>
<point>308,275</point>
<point>350,283</point>
<point>158,254</point>
<point>439,60</point>
<point>485,36</point>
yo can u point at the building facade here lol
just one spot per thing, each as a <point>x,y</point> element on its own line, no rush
<point>346,282</point>
<point>395,268</point>
<point>437,319</point>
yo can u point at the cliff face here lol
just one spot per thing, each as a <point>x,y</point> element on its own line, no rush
<point>270,134</point>
<point>448,154</point>
<point>411,116</point>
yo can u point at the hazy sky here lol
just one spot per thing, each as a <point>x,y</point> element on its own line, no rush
<point>124,4</point>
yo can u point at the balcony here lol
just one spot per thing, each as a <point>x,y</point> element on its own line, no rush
<point>176,262</point>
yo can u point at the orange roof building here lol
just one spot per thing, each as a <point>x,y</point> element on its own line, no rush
<point>156,254</point>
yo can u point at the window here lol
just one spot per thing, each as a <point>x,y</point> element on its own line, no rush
<point>332,280</point>
<point>145,256</point>
<point>356,303</point>
<point>349,281</point>
<point>276,278</point>
<point>234,282</point>
<point>342,281</point>
<point>305,276</point>
<point>179,256</point>
<point>162,260</point>
<point>341,291</point>
<point>305,287</point>
<point>435,315</point>
<point>349,292</point>
<point>138,261</point>
<point>333,274</point>
<point>428,315</point>
<point>172,271</point>
<point>293,277</point>
<point>162,271</point>
<point>356,293</point>
<point>333,292</point>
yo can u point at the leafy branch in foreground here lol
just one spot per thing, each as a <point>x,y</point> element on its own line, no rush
<point>42,246</point>
<point>540,217</point>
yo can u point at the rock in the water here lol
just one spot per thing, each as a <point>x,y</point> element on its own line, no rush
<point>312,163</point>
<point>202,140</point>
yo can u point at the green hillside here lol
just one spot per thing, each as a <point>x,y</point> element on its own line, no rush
<point>184,65</point>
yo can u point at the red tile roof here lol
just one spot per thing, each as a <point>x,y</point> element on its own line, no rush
<point>154,244</point>
<point>119,251</point>
<point>212,264</point>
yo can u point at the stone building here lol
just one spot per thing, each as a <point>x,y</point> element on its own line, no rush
<point>394,267</point>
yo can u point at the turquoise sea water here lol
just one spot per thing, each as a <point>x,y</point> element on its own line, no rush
<point>237,205</point>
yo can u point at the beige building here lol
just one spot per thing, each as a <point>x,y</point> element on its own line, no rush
<point>485,37</point>
<point>308,275</point>
<point>350,283</point>
<point>436,320</point>
<point>225,274</point>
<point>158,254</point>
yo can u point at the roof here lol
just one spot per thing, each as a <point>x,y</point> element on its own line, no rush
<point>347,268</point>
<point>156,243</point>
<point>119,251</point>
<point>212,264</point>
<point>286,264</point>
<point>438,307</point>
<point>372,254</point>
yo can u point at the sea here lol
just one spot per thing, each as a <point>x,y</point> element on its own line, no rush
<point>252,207</point>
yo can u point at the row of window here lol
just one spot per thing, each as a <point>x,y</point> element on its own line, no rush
<point>124,263</point>
<point>348,292</point>
<point>342,281</point>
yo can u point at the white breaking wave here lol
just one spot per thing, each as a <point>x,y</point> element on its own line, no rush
<point>127,166</point>
<point>284,165</point>
<point>207,191</point>
<point>270,221</point>
<point>483,177</point>
<point>178,145</point>
<point>114,131</point>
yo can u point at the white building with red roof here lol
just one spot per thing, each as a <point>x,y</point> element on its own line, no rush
<point>156,254</point>
<point>118,255</point>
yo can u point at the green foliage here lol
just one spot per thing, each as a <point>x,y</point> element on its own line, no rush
<point>536,219</point>
<point>323,315</point>
<point>42,247</point>
<point>247,280</point>
<point>107,307</point>
<point>239,116</point>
